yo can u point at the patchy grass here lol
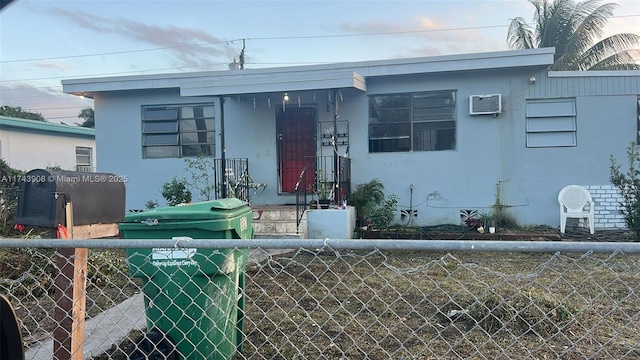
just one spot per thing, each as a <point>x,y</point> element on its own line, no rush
<point>394,304</point>
<point>410,305</point>
<point>28,276</point>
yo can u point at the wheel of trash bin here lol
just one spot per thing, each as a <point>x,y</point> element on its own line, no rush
<point>153,345</point>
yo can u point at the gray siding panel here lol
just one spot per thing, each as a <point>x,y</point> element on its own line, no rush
<point>587,85</point>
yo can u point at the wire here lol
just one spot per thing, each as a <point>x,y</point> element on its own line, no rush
<point>119,52</point>
<point>104,74</point>
<point>269,38</point>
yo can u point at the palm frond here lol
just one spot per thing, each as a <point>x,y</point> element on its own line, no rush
<point>590,23</point>
<point>553,22</point>
<point>620,61</point>
<point>608,48</point>
<point>574,30</point>
<point>520,35</point>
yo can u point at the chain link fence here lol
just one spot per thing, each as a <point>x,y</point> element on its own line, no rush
<point>332,299</point>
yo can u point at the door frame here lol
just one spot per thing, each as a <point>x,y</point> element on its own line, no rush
<point>301,155</point>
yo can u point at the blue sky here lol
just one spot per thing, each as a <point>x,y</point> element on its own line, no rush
<point>43,42</point>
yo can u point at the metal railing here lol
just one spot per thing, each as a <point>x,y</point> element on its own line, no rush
<point>234,180</point>
<point>340,298</point>
<point>301,198</point>
<point>331,177</point>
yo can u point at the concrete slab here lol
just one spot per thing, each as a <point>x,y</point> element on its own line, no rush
<point>102,330</point>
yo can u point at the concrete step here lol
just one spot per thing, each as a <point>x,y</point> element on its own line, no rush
<point>277,226</point>
<point>278,221</point>
<point>279,236</point>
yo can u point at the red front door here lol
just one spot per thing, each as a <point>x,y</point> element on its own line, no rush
<point>296,129</point>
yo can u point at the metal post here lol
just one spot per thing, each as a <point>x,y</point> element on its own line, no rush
<point>334,140</point>
<point>223,150</point>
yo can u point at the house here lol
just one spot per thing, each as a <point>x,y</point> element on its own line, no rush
<point>448,135</point>
<point>31,144</point>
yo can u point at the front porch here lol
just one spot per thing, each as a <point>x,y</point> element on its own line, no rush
<point>232,178</point>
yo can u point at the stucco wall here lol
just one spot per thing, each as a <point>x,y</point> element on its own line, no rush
<point>29,150</point>
<point>490,155</point>
<point>118,135</point>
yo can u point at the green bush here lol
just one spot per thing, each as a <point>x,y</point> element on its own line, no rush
<point>200,170</point>
<point>364,198</point>
<point>176,192</point>
<point>383,215</point>
<point>371,205</point>
<point>8,197</point>
<point>629,186</point>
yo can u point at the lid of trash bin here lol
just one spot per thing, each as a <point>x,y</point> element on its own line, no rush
<point>215,209</point>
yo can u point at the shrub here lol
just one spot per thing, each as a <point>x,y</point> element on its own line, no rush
<point>371,205</point>
<point>176,192</point>
<point>8,196</point>
<point>629,186</point>
<point>200,170</point>
<point>364,198</point>
<point>383,215</point>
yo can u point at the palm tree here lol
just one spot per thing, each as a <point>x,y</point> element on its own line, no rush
<point>574,29</point>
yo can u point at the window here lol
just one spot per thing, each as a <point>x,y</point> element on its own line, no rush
<point>83,159</point>
<point>412,122</point>
<point>178,131</point>
<point>551,123</point>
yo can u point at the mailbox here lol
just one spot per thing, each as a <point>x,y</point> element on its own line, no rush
<point>97,198</point>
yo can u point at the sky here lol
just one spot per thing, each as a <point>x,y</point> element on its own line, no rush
<point>43,42</point>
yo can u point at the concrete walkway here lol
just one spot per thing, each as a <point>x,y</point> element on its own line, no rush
<point>112,326</point>
<point>102,330</point>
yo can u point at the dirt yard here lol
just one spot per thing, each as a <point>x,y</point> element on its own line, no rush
<point>325,304</point>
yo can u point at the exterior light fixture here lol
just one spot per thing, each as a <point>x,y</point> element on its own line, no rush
<point>532,79</point>
<point>286,97</point>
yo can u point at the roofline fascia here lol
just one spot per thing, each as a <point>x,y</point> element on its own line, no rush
<point>443,63</point>
<point>593,73</point>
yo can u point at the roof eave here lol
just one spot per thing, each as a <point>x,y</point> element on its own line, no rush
<point>236,79</point>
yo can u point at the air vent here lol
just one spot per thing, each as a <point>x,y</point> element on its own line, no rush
<point>485,104</point>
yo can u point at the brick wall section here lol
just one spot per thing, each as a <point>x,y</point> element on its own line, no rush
<point>607,205</point>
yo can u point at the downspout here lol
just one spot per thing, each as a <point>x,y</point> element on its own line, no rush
<point>223,151</point>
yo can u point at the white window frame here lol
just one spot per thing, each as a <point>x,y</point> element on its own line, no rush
<point>84,159</point>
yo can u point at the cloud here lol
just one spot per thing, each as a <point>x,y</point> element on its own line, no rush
<point>49,101</point>
<point>426,36</point>
<point>188,47</point>
<point>56,65</point>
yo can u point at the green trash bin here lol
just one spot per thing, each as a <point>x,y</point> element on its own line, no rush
<point>193,297</point>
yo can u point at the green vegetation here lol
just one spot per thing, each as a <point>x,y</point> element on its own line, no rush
<point>88,117</point>
<point>575,31</point>
<point>8,197</point>
<point>18,112</point>
<point>175,192</point>
<point>372,207</point>
<point>628,183</point>
<point>200,181</point>
<point>181,190</point>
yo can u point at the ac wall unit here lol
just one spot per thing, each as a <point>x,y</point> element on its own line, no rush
<point>485,104</point>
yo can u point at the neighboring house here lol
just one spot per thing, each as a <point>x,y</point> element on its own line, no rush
<point>446,134</point>
<point>31,144</point>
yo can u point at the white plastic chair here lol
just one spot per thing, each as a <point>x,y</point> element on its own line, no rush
<point>575,202</point>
